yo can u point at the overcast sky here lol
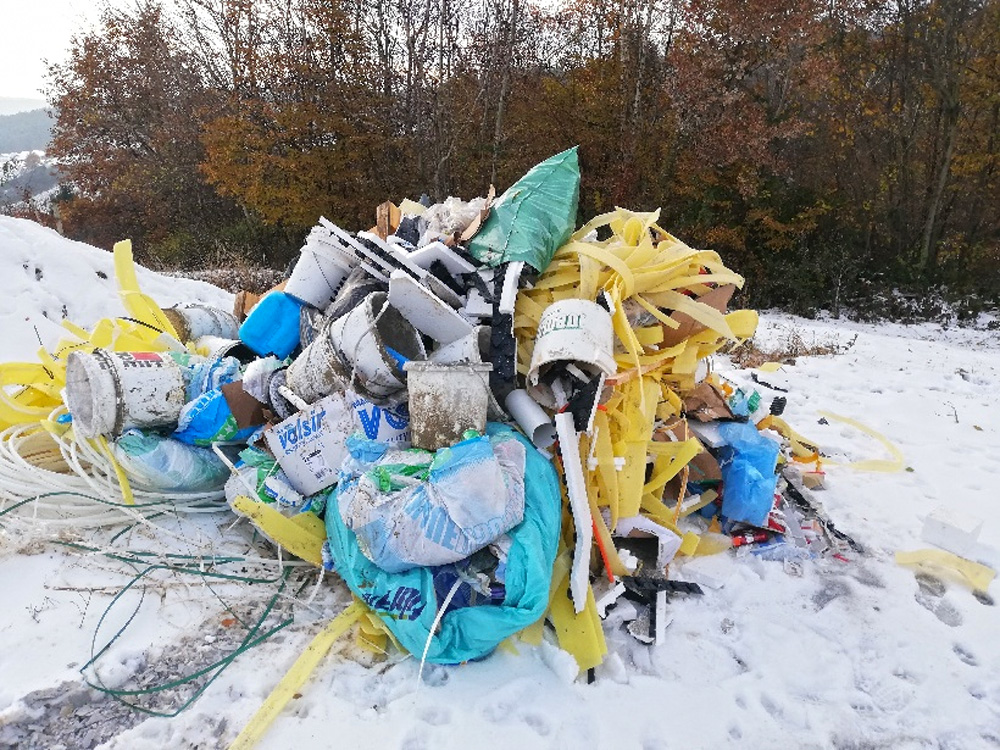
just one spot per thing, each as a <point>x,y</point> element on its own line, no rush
<point>33,30</point>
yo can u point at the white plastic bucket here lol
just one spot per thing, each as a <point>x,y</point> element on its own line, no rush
<point>194,321</point>
<point>574,330</point>
<point>364,343</point>
<point>109,392</point>
<point>445,401</point>
<point>318,371</point>
<point>215,347</point>
<point>317,276</point>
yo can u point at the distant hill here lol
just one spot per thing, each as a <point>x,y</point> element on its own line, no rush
<point>10,105</point>
<point>25,131</point>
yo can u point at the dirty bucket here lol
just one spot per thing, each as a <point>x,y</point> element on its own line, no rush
<point>108,392</point>
<point>311,323</point>
<point>216,347</point>
<point>364,345</point>
<point>319,370</point>
<point>317,276</point>
<point>445,401</point>
<point>194,321</point>
<point>574,330</point>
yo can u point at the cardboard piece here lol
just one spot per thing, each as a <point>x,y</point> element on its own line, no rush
<point>248,411</point>
<point>309,446</point>
<point>706,403</point>
<point>476,224</point>
<point>688,326</point>
<point>387,218</point>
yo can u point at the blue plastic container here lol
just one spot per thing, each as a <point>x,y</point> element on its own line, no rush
<point>272,327</point>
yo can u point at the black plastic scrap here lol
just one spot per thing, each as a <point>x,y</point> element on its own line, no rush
<point>804,504</point>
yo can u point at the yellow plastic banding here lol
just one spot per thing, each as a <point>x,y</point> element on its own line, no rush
<point>896,464</point>
<point>122,477</point>
<point>296,677</point>
<point>139,306</point>
<point>302,535</point>
<point>974,574</point>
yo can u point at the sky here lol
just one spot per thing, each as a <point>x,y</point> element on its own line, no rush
<point>32,31</point>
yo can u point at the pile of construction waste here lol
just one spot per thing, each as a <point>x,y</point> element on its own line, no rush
<point>482,417</point>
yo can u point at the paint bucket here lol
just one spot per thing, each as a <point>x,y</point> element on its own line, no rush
<point>109,392</point>
<point>317,276</point>
<point>445,401</point>
<point>364,337</point>
<point>194,321</point>
<point>272,327</point>
<point>319,370</point>
<point>216,347</point>
<point>573,330</point>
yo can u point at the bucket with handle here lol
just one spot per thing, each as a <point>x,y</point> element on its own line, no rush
<point>374,340</point>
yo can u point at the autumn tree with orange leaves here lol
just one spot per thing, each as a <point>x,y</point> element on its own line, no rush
<point>833,151</point>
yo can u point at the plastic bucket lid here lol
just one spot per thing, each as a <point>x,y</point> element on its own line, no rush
<point>446,400</point>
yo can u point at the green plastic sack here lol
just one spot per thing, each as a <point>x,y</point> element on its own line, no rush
<point>534,217</point>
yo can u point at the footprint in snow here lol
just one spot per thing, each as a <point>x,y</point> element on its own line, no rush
<point>965,655</point>
<point>832,589</point>
<point>436,715</point>
<point>930,596</point>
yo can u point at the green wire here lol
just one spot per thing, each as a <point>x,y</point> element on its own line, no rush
<point>251,640</point>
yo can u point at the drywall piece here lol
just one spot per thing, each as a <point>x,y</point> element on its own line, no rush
<point>455,263</point>
<point>426,311</point>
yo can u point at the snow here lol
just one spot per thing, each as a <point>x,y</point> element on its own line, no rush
<point>42,275</point>
<point>819,654</point>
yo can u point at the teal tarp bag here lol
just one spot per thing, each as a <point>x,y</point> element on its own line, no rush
<point>406,601</point>
<point>534,217</point>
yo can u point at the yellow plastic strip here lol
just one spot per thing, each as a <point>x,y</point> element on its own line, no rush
<point>896,464</point>
<point>139,306</point>
<point>579,634</point>
<point>976,575</point>
<point>296,677</point>
<point>123,482</point>
<point>302,535</point>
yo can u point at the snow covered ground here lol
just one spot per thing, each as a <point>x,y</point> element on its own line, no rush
<point>826,654</point>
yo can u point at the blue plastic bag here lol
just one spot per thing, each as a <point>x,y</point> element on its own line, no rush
<point>208,419</point>
<point>413,508</point>
<point>747,462</point>
<point>407,601</point>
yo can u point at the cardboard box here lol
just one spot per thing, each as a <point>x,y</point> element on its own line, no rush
<point>309,446</point>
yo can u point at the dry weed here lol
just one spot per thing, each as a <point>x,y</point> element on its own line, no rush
<point>750,354</point>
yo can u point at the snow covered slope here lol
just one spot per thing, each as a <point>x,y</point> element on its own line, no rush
<point>824,654</point>
<point>45,278</point>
